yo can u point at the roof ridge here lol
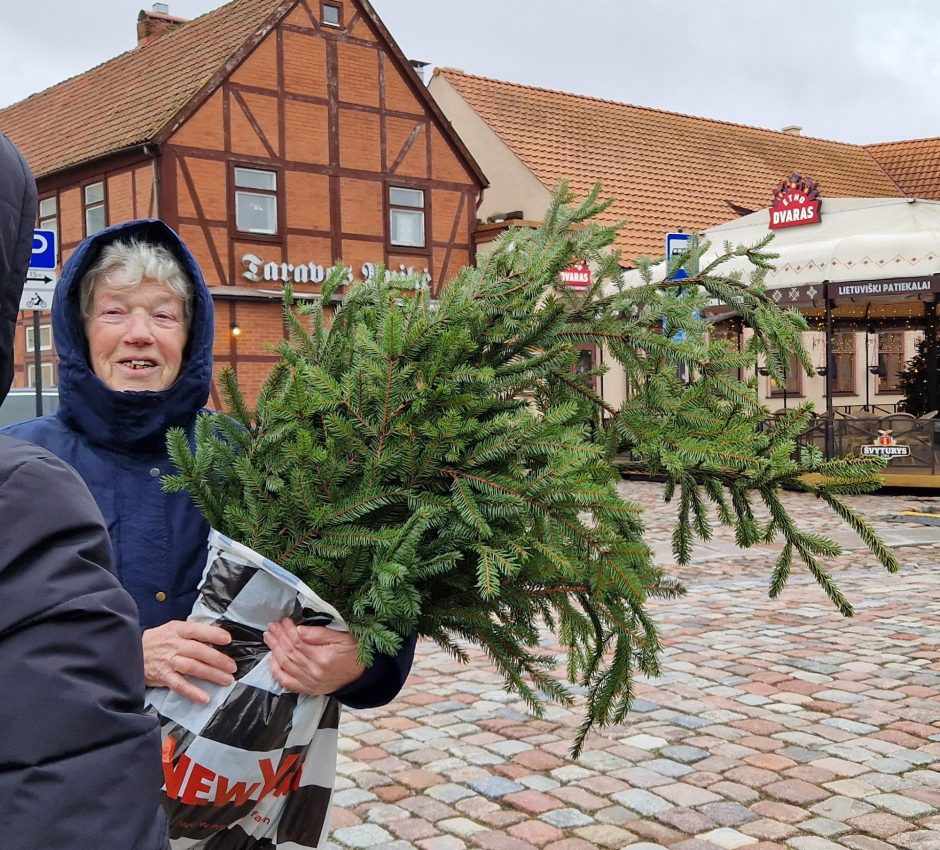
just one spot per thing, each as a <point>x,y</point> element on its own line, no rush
<point>455,72</point>
<point>903,142</point>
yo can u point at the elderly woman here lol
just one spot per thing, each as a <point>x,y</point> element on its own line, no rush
<point>133,326</point>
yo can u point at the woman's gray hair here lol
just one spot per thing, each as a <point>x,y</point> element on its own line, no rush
<point>124,265</point>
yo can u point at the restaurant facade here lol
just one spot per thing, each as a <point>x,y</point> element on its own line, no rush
<point>858,253</point>
<point>276,137</point>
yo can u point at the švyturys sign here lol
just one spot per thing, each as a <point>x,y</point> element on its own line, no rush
<point>796,202</point>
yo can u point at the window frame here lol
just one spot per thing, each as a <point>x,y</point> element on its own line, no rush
<point>729,332</point>
<point>393,208</point>
<point>276,193</point>
<point>43,345</point>
<point>839,353</point>
<point>43,221</point>
<point>94,205</point>
<point>324,5</point>
<point>880,383</point>
<point>31,375</point>
<point>794,379</point>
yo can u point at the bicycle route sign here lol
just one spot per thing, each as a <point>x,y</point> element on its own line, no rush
<point>41,277</point>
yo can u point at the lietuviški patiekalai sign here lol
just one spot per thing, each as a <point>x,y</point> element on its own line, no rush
<point>796,202</point>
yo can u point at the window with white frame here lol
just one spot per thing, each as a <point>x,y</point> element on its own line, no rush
<point>45,338</point>
<point>256,201</point>
<point>48,218</point>
<point>406,217</point>
<point>95,217</point>
<point>47,375</point>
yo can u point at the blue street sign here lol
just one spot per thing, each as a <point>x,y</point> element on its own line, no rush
<point>676,244</point>
<point>44,252</point>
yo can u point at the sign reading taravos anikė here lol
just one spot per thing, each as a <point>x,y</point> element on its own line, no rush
<point>796,202</point>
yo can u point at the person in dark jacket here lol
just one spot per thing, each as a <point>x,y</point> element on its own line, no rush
<point>133,325</point>
<point>79,758</point>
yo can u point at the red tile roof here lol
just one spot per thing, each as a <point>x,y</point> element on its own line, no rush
<point>914,165</point>
<point>665,170</point>
<point>127,100</point>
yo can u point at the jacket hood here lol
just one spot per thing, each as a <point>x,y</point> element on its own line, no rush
<point>17,216</point>
<point>129,421</point>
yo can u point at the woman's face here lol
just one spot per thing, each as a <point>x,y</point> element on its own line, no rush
<point>136,336</point>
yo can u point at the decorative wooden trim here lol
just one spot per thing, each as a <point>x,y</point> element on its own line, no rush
<point>220,76</point>
<point>197,205</point>
<point>383,120</point>
<point>259,132</point>
<point>420,91</point>
<point>336,209</point>
<point>306,98</point>
<point>244,88</point>
<point>405,148</point>
<point>168,199</point>
<point>266,163</point>
<point>102,168</point>
<point>281,103</point>
<point>453,236</point>
<point>313,19</point>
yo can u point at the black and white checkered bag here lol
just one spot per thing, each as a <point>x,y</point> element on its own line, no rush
<point>253,769</point>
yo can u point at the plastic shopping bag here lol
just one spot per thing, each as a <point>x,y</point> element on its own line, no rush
<point>253,769</point>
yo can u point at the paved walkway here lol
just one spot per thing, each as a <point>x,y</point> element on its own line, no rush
<point>775,724</point>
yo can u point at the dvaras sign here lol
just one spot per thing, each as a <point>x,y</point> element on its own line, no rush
<point>577,276</point>
<point>257,270</point>
<point>796,202</point>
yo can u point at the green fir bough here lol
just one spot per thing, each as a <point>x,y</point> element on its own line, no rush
<point>438,466</point>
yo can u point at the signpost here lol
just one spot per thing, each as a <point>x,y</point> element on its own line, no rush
<point>37,294</point>
<point>676,244</point>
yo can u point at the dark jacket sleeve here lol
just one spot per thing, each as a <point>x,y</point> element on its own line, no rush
<point>381,683</point>
<point>79,759</point>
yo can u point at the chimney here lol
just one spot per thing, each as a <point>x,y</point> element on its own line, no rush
<point>419,67</point>
<point>151,25</point>
<point>792,130</point>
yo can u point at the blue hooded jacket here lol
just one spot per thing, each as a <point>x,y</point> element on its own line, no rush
<point>117,440</point>
<point>117,443</point>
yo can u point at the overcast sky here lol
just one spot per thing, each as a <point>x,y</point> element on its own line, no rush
<point>852,70</point>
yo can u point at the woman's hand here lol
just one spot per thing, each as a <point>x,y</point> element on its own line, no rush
<point>179,649</point>
<point>312,659</point>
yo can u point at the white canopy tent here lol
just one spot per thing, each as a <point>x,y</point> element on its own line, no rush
<point>864,254</point>
<point>858,239</point>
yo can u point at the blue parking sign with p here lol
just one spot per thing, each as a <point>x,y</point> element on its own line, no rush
<point>44,252</point>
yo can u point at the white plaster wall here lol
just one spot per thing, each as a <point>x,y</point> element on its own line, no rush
<point>512,185</point>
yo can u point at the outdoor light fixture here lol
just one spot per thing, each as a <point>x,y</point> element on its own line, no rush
<point>821,371</point>
<point>235,329</point>
<point>763,370</point>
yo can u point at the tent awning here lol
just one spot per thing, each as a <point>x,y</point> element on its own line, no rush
<point>871,247</point>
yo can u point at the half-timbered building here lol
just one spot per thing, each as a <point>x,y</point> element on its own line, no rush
<point>276,136</point>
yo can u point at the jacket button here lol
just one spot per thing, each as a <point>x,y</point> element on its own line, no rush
<point>160,596</point>
<point>155,472</point>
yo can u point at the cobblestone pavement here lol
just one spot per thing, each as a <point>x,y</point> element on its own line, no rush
<point>775,724</point>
